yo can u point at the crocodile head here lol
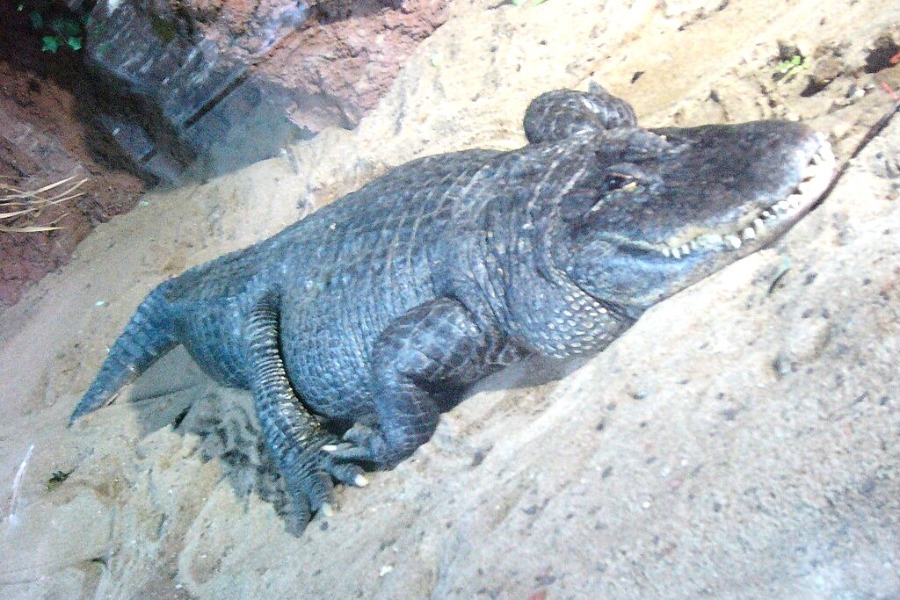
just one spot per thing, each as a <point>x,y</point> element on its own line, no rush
<point>663,209</point>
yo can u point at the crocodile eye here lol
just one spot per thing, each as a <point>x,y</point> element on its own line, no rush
<point>619,182</point>
<point>614,182</point>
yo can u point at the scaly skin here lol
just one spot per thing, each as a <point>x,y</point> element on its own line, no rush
<point>377,311</point>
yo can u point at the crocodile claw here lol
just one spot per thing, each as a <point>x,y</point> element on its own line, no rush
<point>361,444</point>
<point>308,473</point>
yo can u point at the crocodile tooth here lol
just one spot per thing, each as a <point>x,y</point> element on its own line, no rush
<point>712,240</point>
<point>685,249</point>
<point>767,214</point>
<point>667,251</point>
<point>694,245</point>
<point>676,253</point>
<point>825,153</point>
<point>748,234</point>
<point>733,241</point>
<point>758,225</point>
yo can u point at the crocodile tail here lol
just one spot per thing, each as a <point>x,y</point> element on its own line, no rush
<point>148,335</point>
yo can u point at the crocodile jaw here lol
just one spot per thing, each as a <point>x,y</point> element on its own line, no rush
<point>756,230</point>
<point>680,244</point>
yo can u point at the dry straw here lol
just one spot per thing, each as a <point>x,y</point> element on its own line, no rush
<point>28,205</point>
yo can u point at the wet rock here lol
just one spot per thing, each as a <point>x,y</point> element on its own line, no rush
<point>203,88</point>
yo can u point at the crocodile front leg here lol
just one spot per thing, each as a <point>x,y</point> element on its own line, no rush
<point>293,436</point>
<point>436,350</point>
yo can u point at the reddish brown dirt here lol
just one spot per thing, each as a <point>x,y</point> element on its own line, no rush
<point>43,140</point>
<point>352,57</point>
<point>340,60</point>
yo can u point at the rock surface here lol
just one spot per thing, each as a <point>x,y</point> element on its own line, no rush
<point>201,88</point>
<point>741,441</point>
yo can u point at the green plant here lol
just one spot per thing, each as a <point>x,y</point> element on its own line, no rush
<point>790,68</point>
<point>57,479</point>
<point>57,30</point>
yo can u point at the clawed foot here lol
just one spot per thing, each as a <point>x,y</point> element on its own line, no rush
<point>308,470</point>
<point>362,444</point>
<point>310,466</point>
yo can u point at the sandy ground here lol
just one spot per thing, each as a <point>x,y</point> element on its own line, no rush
<point>741,441</point>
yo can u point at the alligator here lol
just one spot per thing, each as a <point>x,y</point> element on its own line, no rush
<point>355,327</point>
